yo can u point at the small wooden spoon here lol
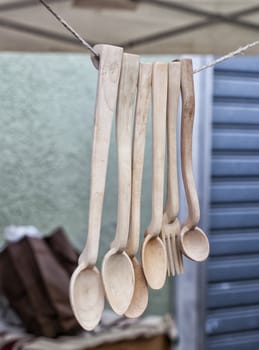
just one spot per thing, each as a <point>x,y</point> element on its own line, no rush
<point>194,242</point>
<point>140,297</point>
<point>86,289</point>
<point>117,269</point>
<point>154,256</point>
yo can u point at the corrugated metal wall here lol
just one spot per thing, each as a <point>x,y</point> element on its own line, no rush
<point>233,268</point>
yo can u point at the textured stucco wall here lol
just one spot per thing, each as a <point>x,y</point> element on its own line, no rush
<point>46,120</point>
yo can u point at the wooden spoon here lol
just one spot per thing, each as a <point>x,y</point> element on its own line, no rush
<point>194,242</point>
<point>86,289</point>
<point>140,297</point>
<point>117,269</point>
<point>154,256</point>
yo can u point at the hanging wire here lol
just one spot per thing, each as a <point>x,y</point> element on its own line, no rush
<point>227,56</point>
<point>69,28</point>
<point>231,54</point>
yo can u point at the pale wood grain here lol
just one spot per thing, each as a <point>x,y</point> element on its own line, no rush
<point>188,109</point>
<point>86,287</point>
<point>159,89</point>
<point>154,258</point>
<point>172,199</point>
<point>141,118</point>
<point>124,126</point>
<point>107,90</point>
<point>140,297</point>
<point>171,226</point>
<point>117,268</point>
<point>194,242</point>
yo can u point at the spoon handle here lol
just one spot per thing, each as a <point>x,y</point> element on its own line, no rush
<point>188,109</point>
<point>124,124</point>
<point>159,85</point>
<point>172,200</point>
<point>107,90</point>
<point>141,118</point>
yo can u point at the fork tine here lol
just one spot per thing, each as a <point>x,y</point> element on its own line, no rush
<point>174,252</point>
<point>168,259</point>
<point>180,255</point>
<point>163,237</point>
<point>173,234</point>
<point>171,255</point>
<point>181,261</point>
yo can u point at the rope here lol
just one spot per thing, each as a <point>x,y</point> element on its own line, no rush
<point>239,51</point>
<point>69,28</point>
<point>231,54</point>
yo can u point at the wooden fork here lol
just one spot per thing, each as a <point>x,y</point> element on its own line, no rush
<point>171,226</point>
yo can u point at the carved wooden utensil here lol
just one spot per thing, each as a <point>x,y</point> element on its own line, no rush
<point>154,256</point>
<point>86,288</point>
<point>194,242</point>
<point>140,297</point>
<point>171,225</point>
<point>117,269</point>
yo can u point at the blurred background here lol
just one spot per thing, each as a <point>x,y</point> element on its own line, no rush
<point>47,98</point>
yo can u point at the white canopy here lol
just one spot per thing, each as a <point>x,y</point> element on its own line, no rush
<point>154,26</point>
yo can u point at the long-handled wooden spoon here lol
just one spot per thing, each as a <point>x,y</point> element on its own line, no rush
<point>194,242</point>
<point>117,269</point>
<point>171,225</point>
<point>154,256</point>
<point>140,297</point>
<point>86,288</point>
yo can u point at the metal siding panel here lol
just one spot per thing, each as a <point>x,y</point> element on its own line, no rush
<point>240,87</point>
<point>230,294</point>
<point>233,266</point>
<point>232,320</point>
<point>229,269</point>
<point>234,244</point>
<point>233,341</point>
<point>235,140</point>
<point>236,114</point>
<point>235,166</point>
<point>233,191</point>
<point>227,217</point>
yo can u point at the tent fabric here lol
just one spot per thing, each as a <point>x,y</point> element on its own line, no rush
<point>187,27</point>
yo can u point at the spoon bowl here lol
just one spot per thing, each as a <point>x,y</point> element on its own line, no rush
<point>139,300</point>
<point>87,296</point>
<point>154,259</point>
<point>119,279</point>
<point>195,244</point>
